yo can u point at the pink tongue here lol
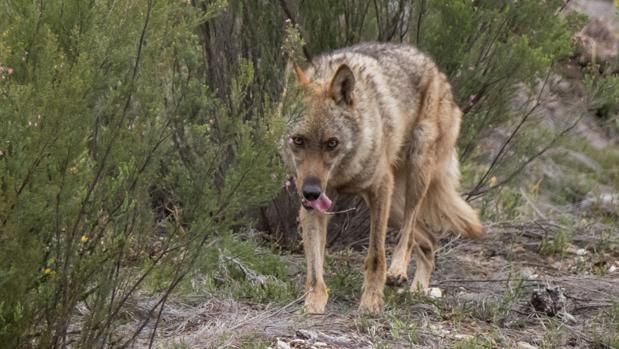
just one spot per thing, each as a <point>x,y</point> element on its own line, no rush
<point>322,204</point>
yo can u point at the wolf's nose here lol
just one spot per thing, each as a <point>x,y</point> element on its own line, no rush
<point>311,191</point>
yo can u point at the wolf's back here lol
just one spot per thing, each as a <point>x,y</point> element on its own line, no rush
<point>401,66</point>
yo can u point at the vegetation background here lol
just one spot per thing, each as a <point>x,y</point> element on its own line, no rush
<point>143,200</point>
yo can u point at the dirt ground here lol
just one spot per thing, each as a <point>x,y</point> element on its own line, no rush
<point>487,295</point>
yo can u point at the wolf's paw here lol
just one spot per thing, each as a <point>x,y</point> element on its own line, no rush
<point>419,288</point>
<point>371,303</point>
<point>316,300</point>
<point>396,280</point>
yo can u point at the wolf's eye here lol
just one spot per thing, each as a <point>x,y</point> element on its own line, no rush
<point>332,143</point>
<point>298,140</point>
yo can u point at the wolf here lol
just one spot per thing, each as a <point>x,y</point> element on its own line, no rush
<point>378,120</point>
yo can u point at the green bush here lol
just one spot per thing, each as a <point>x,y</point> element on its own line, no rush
<point>116,161</point>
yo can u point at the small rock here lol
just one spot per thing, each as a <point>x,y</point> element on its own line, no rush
<point>567,317</point>
<point>320,344</point>
<point>439,330</point>
<point>612,268</point>
<point>525,345</point>
<point>307,334</point>
<point>282,345</point>
<point>435,292</point>
<point>581,252</point>
<point>528,274</point>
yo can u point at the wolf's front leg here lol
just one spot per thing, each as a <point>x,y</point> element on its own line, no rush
<point>379,201</point>
<point>314,226</point>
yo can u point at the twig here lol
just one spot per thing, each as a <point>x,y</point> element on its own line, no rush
<point>476,194</point>
<point>530,202</point>
<point>267,314</point>
<point>422,10</point>
<point>565,3</point>
<point>503,148</point>
<point>450,281</point>
<point>591,306</point>
<point>154,331</point>
<point>342,211</point>
<point>362,240</point>
<point>604,301</point>
<point>446,246</point>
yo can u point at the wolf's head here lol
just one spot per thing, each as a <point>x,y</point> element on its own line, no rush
<point>323,134</point>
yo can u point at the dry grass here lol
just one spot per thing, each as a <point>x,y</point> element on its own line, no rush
<point>487,286</point>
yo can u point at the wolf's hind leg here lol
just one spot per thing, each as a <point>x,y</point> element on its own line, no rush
<point>314,228</point>
<point>397,274</point>
<point>425,244</point>
<point>398,270</point>
<point>418,169</point>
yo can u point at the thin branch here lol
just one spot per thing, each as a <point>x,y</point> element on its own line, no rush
<point>510,177</point>
<point>154,331</point>
<point>469,281</point>
<point>477,97</point>
<point>422,10</point>
<point>565,3</point>
<point>394,23</point>
<point>377,13</point>
<point>267,315</point>
<point>530,202</point>
<point>503,148</point>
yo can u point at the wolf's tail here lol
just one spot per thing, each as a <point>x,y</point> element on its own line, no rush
<point>443,208</point>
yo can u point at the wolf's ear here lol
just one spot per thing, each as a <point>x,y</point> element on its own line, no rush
<point>342,85</point>
<point>299,74</point>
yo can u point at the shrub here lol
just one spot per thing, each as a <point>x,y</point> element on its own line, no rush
<point>116,161</point>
